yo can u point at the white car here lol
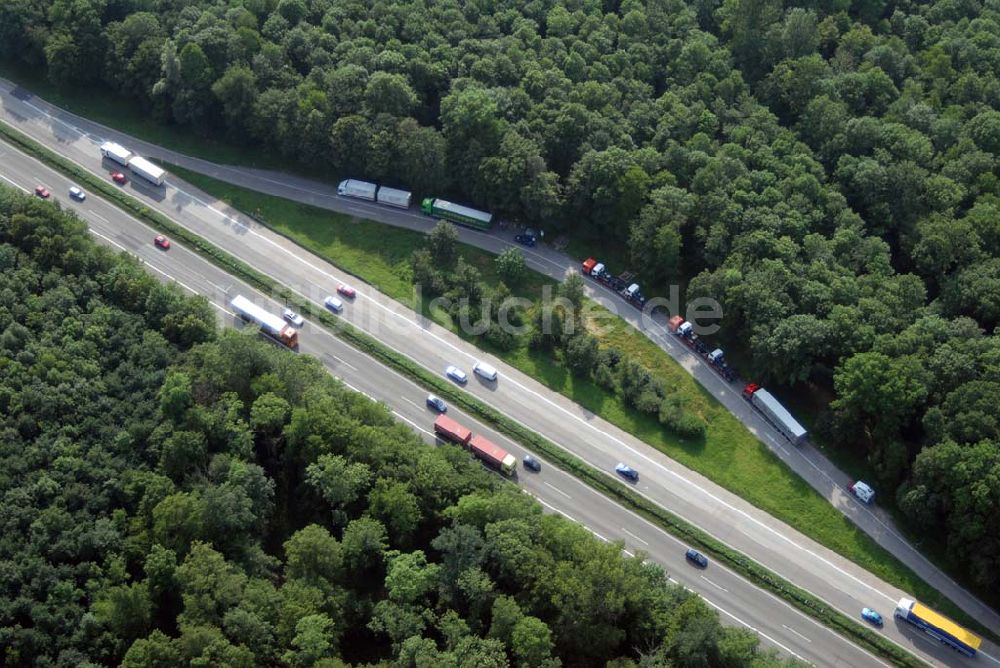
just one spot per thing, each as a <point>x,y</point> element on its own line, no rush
<point>334,304</point>
<point>292,317</point>
<point>456,374</point>
<point>77,194</point>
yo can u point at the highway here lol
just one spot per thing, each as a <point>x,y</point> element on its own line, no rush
<point>795,557</point>
<point>55,127</point>
<point>738,602</point>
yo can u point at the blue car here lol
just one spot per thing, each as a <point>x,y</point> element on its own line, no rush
<point>871,617</point>
<point>627,472</point>
<point>437,403</point>
<point>696,557</point>
<point>531,463</point>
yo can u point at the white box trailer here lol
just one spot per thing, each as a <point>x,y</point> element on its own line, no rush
<point>270,324</point>
<point>146,170</point>
<point>359,189</point>
<point>778,415</point>
<point>394,197</point>
<point>116,152</point>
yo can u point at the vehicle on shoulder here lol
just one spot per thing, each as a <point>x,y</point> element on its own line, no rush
<point>531,463</point>
<point>76,193</point>
<point>334,304</point>
<point>527,238</point>
<point>291,316</point>
<point>627,472</point>
<point>42,192</point>
<point>697,558</point>
<point>437,403</point>
<point>161,242</point>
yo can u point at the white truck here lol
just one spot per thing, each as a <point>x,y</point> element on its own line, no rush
<point>116,152</point>
<point>394,197</point>
<point>358,189</point>
<point>147,170</point>
<point>775,413</point>
<point>269,323</point>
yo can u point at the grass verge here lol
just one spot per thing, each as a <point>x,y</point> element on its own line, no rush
<point>600,481</point>
<point>730,455</point>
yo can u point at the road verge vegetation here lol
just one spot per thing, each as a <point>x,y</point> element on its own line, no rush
<point>600,481</point>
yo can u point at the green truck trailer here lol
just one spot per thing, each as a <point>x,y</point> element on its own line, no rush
<point>456,213</point>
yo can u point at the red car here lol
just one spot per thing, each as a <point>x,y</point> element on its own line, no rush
<point>118,178</point>
<point>162,242</point>
<point>42,192</point>
<point>346,290</point>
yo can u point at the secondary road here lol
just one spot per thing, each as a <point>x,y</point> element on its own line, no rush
<point>807,564</point>
<point>52,126</point>
<point>739,602</point>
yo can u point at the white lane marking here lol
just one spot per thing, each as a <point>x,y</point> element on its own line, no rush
<point>718,586</point>
<point>644,457</point>
<point>410,401</point>
<point>756,630</point>
<point>357,390</point>
<point>411,422</point>
<point>551,486</point>
<point>98,216</point>
<point>19,187</point>
<point>797,633</point>
<point>347,364</point>
<point>991,658</point>
<point>634,536</point>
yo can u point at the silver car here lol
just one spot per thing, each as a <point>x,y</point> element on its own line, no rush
<point>77,194</point>
<point>292,317</point>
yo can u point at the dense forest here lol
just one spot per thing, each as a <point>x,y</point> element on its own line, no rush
<point>827,170</point>
<point>172,496</point>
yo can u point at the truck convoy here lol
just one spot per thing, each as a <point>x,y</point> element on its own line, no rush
<point>486,451</point>
<point>270,324</point>
<point>775,413</point>
<point>456,213</point>
<point>623,284</point>
<point>136,163</point>
<point>716,358</point>
<point>371,192</point>
<point>938,627</point>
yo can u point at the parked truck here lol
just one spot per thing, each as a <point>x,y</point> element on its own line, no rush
<point>938,626</point>
<point>357,189</point>
<point>489,453</point>
<point>775,413</point>
<point>624,284</point>
<point>116,152</point>
<point>147,170</point>
<point>716,358</point>
<point>456,213</point>
<point>394,197</point>
<point>269,323</point>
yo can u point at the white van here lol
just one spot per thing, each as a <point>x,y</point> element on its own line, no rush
<point>484,370</point>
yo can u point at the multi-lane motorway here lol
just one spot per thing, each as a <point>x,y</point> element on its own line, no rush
<point>51,125</point>
<point>738,601</point>
<point>795,557</point>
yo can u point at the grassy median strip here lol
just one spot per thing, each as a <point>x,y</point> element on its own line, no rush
<point>730,455</point>
<point>600,481</point>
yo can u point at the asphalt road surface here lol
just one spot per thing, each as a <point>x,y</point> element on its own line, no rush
<point>739,602</point>
<point>729,518</point>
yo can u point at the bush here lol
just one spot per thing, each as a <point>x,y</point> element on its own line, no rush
<point>684,423</point>
<point>581,354</point>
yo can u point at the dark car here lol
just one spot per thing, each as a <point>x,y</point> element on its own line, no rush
<point>696,557</point>
<point>437,403</point>
<point>531,463</point>
<point>871,617</point>
<point>627,472</point>
<point>528,237</point>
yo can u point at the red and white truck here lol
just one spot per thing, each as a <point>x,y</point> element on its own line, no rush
<point>482,448</point>
<point>269,323</point>
<point>624,284</point>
